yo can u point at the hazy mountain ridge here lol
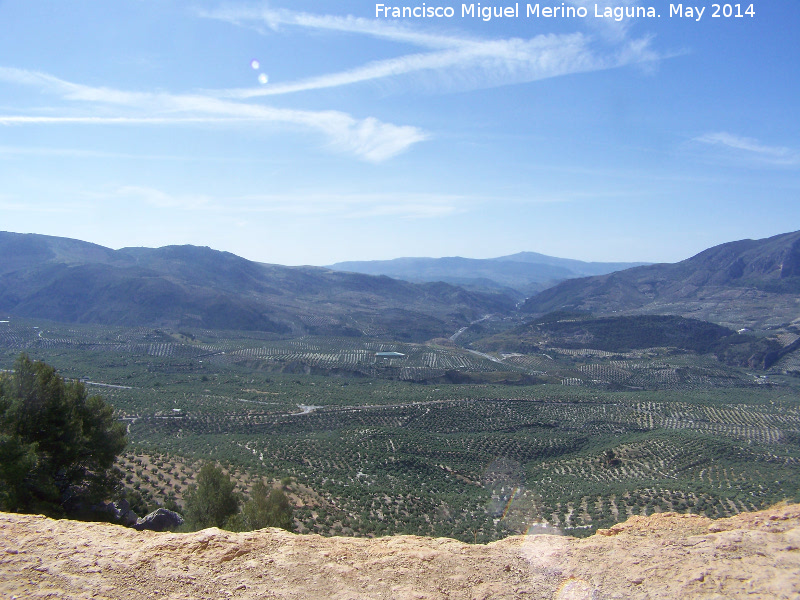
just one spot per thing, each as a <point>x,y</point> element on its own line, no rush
<point>738,284</point>
<point>72,281</point>
<point>747,280</point>
<point>525,273</point>
<point>23,251</point>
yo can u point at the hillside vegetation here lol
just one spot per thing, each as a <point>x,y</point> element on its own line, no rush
<point>381,407</point>
<point>437,441</point>
<point>613,334</point>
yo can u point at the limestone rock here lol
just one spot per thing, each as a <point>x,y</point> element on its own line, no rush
<point>160,519</point>
<point>120,511</point>
<point>664,556</point>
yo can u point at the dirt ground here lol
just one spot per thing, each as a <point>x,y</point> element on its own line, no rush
<point>753,555</point>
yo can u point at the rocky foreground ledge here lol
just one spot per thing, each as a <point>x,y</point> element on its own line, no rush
<point>754,555</point>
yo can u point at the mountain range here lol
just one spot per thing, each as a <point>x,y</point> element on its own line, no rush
<point>748,283</point>
<point>72,281</point>
<point>523,274</point>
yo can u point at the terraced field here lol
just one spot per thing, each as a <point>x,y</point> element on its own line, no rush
<point>370,450</point>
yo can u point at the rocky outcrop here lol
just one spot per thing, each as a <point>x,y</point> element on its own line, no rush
<point>120,512</point>
<point>160,519</point>
<point>754,555</point>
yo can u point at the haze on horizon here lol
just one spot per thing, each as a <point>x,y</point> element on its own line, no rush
<point>313,132</point>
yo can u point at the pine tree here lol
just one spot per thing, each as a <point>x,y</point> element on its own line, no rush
<point>212,502</point>
<point>57,445</point>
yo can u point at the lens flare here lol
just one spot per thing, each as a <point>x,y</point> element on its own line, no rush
<point>262,79</point>
<point>576,589</point>
<point>510,500</point>
<point>255,64</point>
<point>543,528</point>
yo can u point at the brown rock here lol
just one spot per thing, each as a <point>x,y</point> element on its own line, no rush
<point>663,556</point>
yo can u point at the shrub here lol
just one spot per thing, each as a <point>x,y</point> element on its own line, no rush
<point>212,501</point>
<point>267,508</point>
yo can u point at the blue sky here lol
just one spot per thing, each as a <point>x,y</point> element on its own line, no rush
<point>313,132</point>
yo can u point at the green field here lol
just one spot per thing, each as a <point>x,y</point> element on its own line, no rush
<point>444,440</point>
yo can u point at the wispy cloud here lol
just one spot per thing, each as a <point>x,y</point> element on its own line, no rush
<point>751,150</point>
<point>342,205</point>
<point>610,29</point>
<point>35,208</point>
<point>409,210</point>
<point>458,62</point>
<point>30,120</point>
<point>368,138</point>
<point>473,65</point>
<point>245,16</point>
<point>446,63</point>
<point>358,204</point>
<point>35,151</point>
<point>161,199</point>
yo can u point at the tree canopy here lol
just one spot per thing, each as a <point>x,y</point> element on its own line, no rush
<point>57,444</point>
<point>212,502</point>
<point>267,508</point>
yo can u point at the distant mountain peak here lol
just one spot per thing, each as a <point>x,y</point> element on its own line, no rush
<point>524,273</point>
